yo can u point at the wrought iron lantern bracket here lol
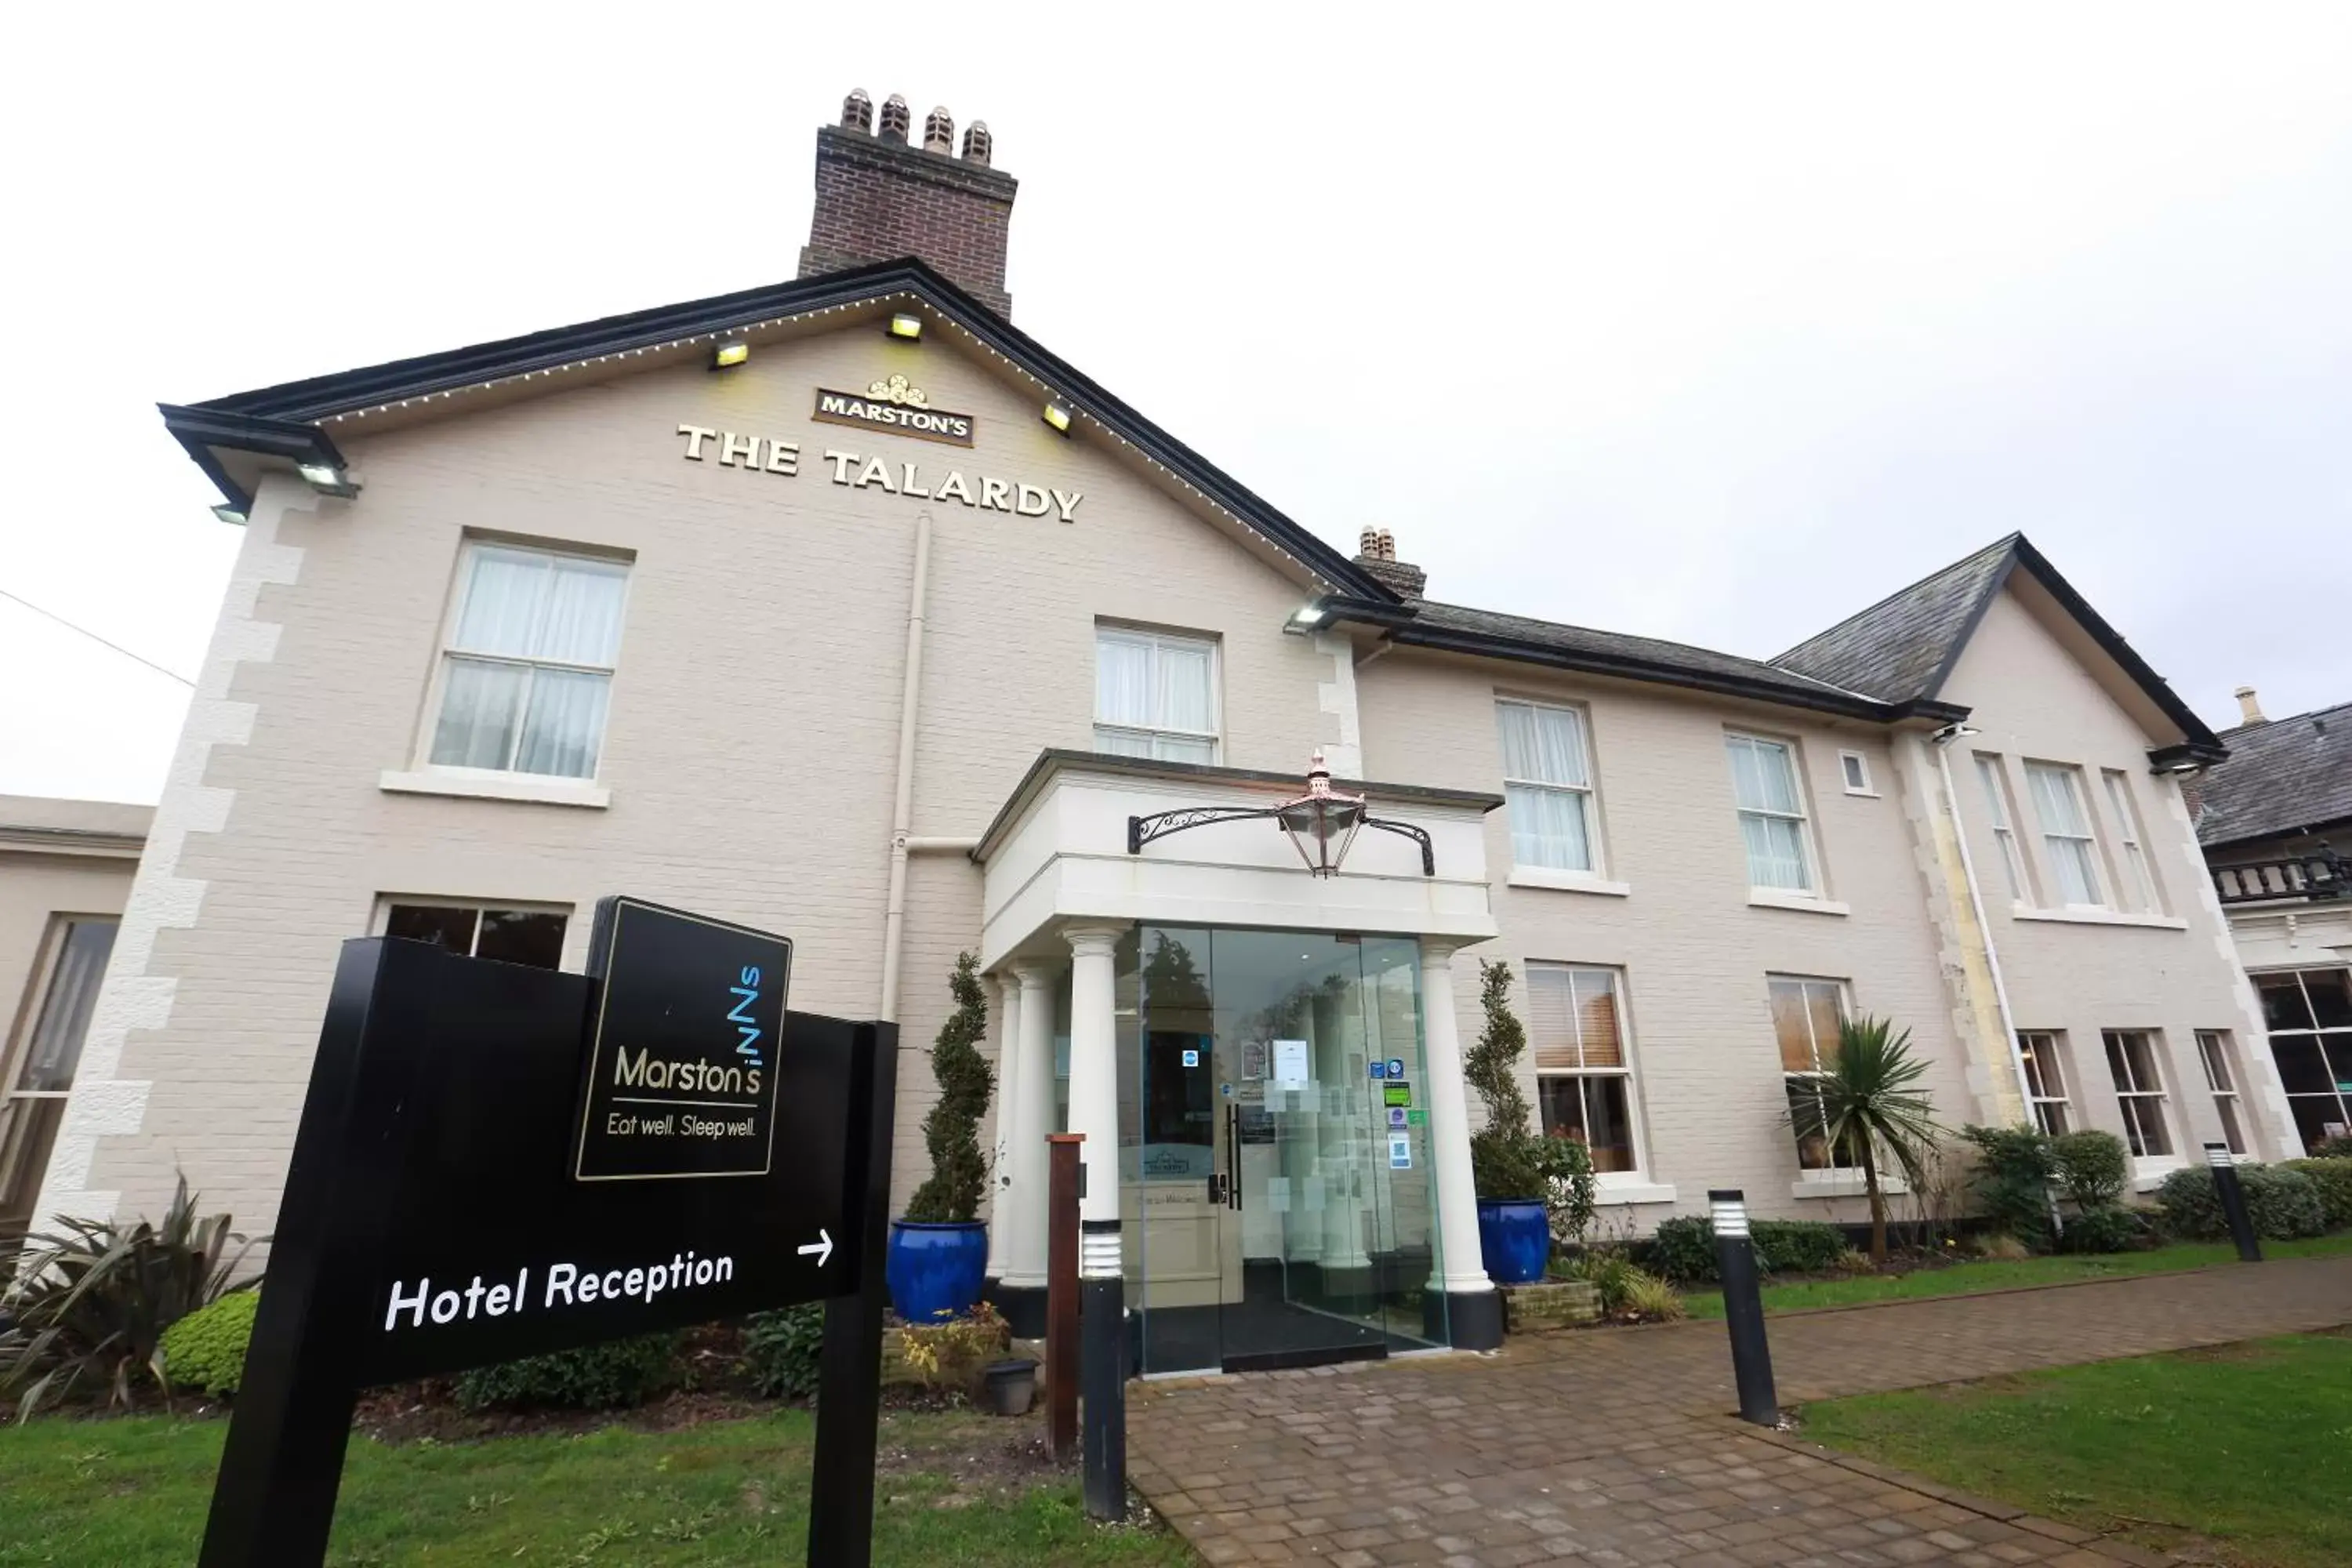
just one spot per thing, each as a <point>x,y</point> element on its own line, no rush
<point>1143,831</point>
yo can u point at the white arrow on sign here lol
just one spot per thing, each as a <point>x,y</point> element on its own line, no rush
<point>821,1247</point>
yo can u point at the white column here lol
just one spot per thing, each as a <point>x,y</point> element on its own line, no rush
<point>1094,1067</point>
<point>1030,1103</point>
<point>1462,1269</point>
<point>1001,1209</point>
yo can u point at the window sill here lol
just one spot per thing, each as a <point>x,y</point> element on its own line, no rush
<point>1631,1191</point>
<point>2149,1173</point>
<point>1782,899</point>
<point>1841,1185</point>
<point>2098,917</point>
<point>1568,881</point>
<point>536,789</point>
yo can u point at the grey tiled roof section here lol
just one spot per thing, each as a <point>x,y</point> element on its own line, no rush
<point>2283,776</point>
<point>1897,651</point>
<point>1618,646</point>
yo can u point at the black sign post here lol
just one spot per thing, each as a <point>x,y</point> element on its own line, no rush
<point>497,1161</point>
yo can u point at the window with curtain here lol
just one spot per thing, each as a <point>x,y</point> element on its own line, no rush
<point>1772,812</point>
<point>2221,1083</point>
<point>472,931</point>
<point>34,1101</point>
<point>2004,832</point>
<point>1584,1080</point>
<point>2045,1081</point>
<point>2066,832</point>
<point>2140,880</point>
<point>1155,696</point>
<point>2139,1091</point>
<point>2308,1015</point>
<point>1546,785</point>
<point>528,666</point>
<point>1805,1017</point>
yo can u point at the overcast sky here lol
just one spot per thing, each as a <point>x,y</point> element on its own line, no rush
<point>1711,324</point>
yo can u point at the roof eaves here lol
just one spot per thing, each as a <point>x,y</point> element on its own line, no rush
<point>273,409</point>
<point>203,429</point>
<point>2197,736</point>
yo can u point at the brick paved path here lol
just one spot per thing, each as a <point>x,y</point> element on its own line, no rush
<point>1616,1446</point>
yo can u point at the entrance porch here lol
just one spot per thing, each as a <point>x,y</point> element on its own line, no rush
<point>1265,1065</point>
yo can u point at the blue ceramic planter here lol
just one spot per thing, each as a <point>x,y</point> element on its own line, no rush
<point>935,1271</point>
<point>1514,1239</point>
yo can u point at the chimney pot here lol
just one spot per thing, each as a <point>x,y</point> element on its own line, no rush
<point>1369,542</point>
<point>857,112</point>
<point>1376,553</point>
<point>2250,706</point>
<point>979,146</point>
<point>897,119</point>
<point>938,132</point>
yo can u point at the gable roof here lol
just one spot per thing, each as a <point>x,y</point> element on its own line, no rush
<point>282,421</point>
<point>1902,649</point>
<point>2286,776</point>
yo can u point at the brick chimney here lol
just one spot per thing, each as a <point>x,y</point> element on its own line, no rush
<point>879,198</point>
<point>1376,553</point>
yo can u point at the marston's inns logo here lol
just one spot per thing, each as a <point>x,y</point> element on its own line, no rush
<point>644,1070</point>
<point>892,405</point>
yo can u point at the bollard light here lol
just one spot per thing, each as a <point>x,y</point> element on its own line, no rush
<point>1743,1307</point>
<point>1102,1321</point>
<point>2232,1193</point>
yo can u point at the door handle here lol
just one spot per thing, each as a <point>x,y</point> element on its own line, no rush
<point>1233,1156</point>
<point>1216,1187</point>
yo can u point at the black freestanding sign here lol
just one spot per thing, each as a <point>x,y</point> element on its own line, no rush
<point>496,1160</point>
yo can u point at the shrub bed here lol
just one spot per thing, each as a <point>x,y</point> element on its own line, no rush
<point>2283,1204</point>
<point>2333,1177</point>
<point>595,1377</point>
<point>781,1349</point>
<point>1684,1249</point>
<point>2109,1228</point>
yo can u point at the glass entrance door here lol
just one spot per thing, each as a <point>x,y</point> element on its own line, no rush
<point>1281,1205</point>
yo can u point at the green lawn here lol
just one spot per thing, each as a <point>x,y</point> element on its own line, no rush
<point>2248,1447</point>
<point>131,1492</point>
<point>1970,1279</point>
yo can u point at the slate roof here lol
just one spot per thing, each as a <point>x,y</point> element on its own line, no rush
<point>1901,648</point>
<point>2283,777</point>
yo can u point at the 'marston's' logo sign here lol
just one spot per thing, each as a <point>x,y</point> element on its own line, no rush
<point>894,405</point>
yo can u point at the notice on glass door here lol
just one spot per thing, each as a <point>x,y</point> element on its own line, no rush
<point>1401,1151</point>
<point>1290,1068</point>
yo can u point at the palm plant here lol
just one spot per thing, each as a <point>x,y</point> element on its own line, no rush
<point>1868,1104</point>
<point>92,1299</point>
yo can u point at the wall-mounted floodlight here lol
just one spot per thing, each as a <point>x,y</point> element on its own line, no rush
<point>1058,418</point>
<point>228,514</point>
<point>1305,618</point>
<point>1951,732</point>
<point>730,351</point>
<point>906,325</point>
<point>328,479</point>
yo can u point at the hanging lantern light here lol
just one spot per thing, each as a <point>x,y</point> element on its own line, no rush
<point>1320,824</point>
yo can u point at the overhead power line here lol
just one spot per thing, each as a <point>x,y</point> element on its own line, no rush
<point>96,638</point>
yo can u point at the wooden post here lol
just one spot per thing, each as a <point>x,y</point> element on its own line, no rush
<point>1062,1291</point>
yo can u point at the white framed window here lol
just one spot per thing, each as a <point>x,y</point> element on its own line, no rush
<point>2045,1081</point>
<point>2222,1082</point>
<point>1806,1013</point>
<point>1155,695</point>
<point>1772,813</point>
<point>509,933</point>
<point>2139,1091</point>
<point>2139,878</point>
<point>527,665</point>
<point>1547,785</point>
<point>1584,1074</point>
<point>2004,831</point>
<point>2066,834</point>
<point>1854,769</point>
<point>2308,1015</point>
<point>33,1097</point>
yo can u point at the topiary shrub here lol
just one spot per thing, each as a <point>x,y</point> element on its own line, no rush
<point>2015,1166</point>
<point>1508,1159</point>
<point>2334,1179</point>
<point>205,1349</point>
<point>950,1194</point>
<point>607,1376</point>
<point>2093,1168</point>
<point>2110,1227</point>
<point>781,1350</point>
<point>2283,1204</point>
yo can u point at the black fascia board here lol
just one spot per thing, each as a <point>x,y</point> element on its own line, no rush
<point>2196,736</point>
<point>200,429</point>
<point>1403,630</point>
<point>368,387</point>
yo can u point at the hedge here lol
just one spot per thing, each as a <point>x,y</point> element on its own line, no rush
<point>2334,1179</point>
<point>595,1377</point>
<point>1684,1249</point>
<point>2283,1204</point>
